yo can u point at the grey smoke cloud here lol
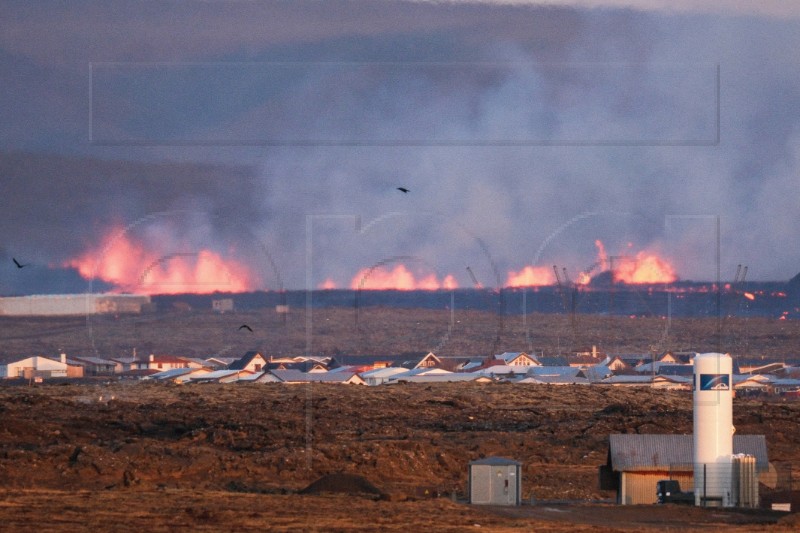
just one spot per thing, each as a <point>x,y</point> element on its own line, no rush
<point>614,110</point>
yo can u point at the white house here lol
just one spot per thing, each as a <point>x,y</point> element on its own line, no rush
<point>379,376</point>
<point>40,366</point>
<point>517,359</point>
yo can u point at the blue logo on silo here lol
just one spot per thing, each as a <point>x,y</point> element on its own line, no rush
<point>715,382</point>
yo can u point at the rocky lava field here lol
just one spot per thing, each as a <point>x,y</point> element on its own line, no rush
<point>125,455</point>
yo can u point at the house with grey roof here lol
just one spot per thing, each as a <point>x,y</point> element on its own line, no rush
<point>627,380</point>
<point>296,376</point>
<point>517,359</point>
<point>414,360</point>
<point>96,366</point>
<point>561,379</point>
<point>220,376</point>
<point>635,463</point>
<point>441,377</point>
<point>177,375</point>
<point>251,361</point>
<point>362,363</point>
<point>378,376</point>
<point>554,360</point>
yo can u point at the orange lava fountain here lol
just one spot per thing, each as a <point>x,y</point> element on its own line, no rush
<point>399,278</point>
<point>531,276</point>
<point>132,267</point>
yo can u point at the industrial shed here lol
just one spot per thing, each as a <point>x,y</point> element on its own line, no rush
<point>73,304</point>
<point>41,367</point>
<point>637,462</point>
<point>495,481</point>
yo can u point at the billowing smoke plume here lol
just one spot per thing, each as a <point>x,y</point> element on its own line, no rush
<point>524,135</point>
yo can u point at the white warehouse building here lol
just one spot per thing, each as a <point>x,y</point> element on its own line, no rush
<point>73,304</point>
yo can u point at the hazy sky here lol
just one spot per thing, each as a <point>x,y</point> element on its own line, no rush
<point>273,135</point>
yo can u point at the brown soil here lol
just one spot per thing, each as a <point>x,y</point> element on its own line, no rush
<point>389,331</point>
<point>224,457</point>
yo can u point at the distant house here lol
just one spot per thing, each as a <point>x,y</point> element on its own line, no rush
<point>219,363</point>
<point>626,380</point>
<point>251,361</point>
<point>496,368</point>
<point>661,367</point>
<point>96,366</point>
<point>517,359</point>
<point>441,377</point>
<point>295,376</point>
<point>553,371</point>
<point>123,363</point>
<point>303,366</point>
<point>220,376</point>
<point>465,364</point>
<point>679,358</point>
<point>364,362</point>
<point>556,360</point>
<point>378,376</point>
<point>161,362</point>
<point>618,365</point>
<point>759,366</point>
<point>636,463</point>
<point>597,373</point>
<point>676,370</point>
<point>40,367</point>
<point>561,379</point>
<point>634,359</point>
<point>784,385</point>
<point>178,375</point>
<point>583,361</point>
<point>673,382</point>
<point>752,383</point>
<point>420,360</point>
<point>264,377</point>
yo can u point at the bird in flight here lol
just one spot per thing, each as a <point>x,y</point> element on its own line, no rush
<point>245,326</point>
<point>19,265</point>
<point>402,189</point>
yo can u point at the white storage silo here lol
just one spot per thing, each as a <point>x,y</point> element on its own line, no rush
<point>713,429</point>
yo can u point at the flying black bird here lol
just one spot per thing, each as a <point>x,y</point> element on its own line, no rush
<point>245,326</point>
<point>402,189</point>
<point>19,265</point>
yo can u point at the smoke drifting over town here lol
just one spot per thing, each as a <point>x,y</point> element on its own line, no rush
<point>262,144</point>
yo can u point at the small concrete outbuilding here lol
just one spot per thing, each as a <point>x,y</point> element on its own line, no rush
<point>495,481</point>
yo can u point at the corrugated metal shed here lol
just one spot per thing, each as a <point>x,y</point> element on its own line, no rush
<point>628,453</point>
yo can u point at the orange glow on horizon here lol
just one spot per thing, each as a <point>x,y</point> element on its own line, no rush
<point>132,267</point>
<point>328,284</point>
<point>645,267</point>
<point>750,296</point>
<point>531,276</point>
<point>399,278</point>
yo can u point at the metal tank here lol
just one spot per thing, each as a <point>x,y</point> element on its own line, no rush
<point>713,429</point>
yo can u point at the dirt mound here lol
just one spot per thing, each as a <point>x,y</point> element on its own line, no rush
<point>342,483</point>
<point>792,520</point>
